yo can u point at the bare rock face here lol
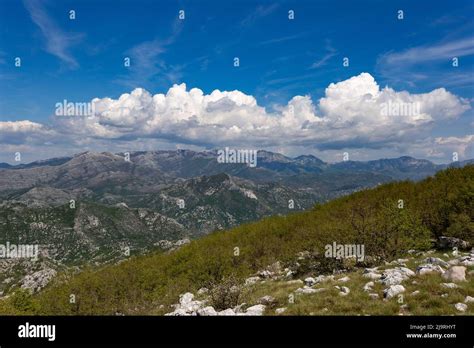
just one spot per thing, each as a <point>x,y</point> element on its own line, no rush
<point>455,274</point>
<point>38,280</point>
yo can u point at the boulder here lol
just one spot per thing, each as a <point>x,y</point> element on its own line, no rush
<point>393,290</point>
<point>226,312</point>
<point>207,311</point>
<point>186,298</point>
<point>256,310</point>
<point>344,279</point>
<point>368,286</point>
<point>280,310</point>
<point>310,281</point>
<point>266,274</point>
<point>203,291</point>
<point>455,274</point>
<point>436,261</point>
<point>323,278</point>
<point>453,262</point>
<point>343,290</point>
<point>394,276</point>
<point>429,268</point>
<point>372,275</point>
<point>267,300</point>
<point>178,312</point>
<point>239,308</point>
<point>469,299</point>
<point>461,307</point>
<point>467,260</point>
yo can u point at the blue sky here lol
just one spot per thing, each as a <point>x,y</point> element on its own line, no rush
<point>82,59</point>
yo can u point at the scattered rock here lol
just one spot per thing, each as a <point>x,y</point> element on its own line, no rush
<point>266,274</point>
<point>429,268</point>
<point>186,298</point>
<point>436,261</point>
<point>295,281</point>
<point>280,310</point>
<point>267,300</point>
<point>187,305</point>
<point>307,291</point>
<point>444,295</point>
<point>203,291</point>
<point>394,276</point>
<point>368,286</point>
<point>467,260</point>
<point>374,296</point>
<point>256,310</point>
<point>226,312</point>
<point>453,262</point>
<point>449,285</point>
<point>372,275</point>
<point>461,307</point>
<point>344,290</point>
<point>469,299</point>
<point>310,281</point>
<point>344,279</point>
<point>455,274</point>
<point>207,311</point>
<point>416,292</point>
<point>323,278</point>
<point>393,290</point>
<point>252,280</point>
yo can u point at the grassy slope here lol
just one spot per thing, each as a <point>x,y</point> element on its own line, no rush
<point>141,284</point>
<point>427,302</point>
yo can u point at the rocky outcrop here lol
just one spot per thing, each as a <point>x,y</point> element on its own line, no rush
<point>38,280</point>
<point>455,274</point>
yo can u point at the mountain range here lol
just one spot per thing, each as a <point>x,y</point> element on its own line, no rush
<point>89,207</point>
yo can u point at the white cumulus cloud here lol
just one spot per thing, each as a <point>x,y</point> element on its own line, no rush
<point>351,115</point>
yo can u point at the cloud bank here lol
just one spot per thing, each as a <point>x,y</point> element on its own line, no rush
<point>351,115</point>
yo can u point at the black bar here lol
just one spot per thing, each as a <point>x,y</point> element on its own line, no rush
<point>286,330</point>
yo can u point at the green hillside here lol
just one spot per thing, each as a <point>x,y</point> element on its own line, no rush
<point>442,205</point>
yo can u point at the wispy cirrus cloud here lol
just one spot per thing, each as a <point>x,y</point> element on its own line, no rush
<point>440,51</point>
<point>260,12</point>
<point>58,42</point>
<point>284,38</point>
<point>422,63</point>
<point>330,52</point>
<point>147,61</point>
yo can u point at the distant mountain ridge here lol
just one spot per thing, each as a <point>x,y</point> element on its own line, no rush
<point>91,207</point>
<point>266,159</point>
<point>191,193</point>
